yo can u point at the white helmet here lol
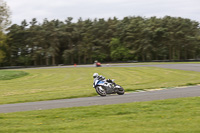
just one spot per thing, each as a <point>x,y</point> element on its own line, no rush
<point>95,75</point>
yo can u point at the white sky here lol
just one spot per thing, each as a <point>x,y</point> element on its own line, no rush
<point>61,9</point>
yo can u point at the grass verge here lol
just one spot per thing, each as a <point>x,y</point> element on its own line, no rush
<point>164,116</point>
<point>60,83</point>
<point>8,75</point>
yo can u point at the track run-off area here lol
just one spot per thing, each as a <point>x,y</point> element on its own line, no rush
<point>150,95</point>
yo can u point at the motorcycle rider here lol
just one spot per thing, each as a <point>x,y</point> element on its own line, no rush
<point>96,76</point>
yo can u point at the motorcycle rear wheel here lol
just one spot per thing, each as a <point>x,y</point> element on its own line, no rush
<point>100,91</point>
<point>120,91</point>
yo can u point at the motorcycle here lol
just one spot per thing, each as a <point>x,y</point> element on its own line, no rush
<point>104,87</point>
<point>98,64</point>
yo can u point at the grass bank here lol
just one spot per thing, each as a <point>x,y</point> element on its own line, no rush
<point>60,83</point>
<point>165,116</point>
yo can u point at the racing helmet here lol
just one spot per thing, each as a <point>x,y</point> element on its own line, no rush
<point>95,75</point>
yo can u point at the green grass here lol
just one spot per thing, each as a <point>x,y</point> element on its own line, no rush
<point>165,116</point>
<point>150,63</point>
<point>60,83</point>
<point>8,75</point>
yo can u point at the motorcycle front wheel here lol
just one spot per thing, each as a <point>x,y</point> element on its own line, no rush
<point>100,91</point>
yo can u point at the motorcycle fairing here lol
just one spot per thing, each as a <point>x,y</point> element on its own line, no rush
<point>99,82</point>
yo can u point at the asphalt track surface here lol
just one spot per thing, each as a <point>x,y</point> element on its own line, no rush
<point>191,91</point>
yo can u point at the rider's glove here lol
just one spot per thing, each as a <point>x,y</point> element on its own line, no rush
<point>109,80</point>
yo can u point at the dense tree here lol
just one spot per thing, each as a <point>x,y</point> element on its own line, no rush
<point>4,15</point>
<point>4,22</point>
<point>132,38</point>
<point>3,46</point>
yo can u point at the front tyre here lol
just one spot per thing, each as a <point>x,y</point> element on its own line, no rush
<point>120,91</point>
<point>100,91</point>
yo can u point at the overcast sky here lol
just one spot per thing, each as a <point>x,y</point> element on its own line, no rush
<point>61,9</point>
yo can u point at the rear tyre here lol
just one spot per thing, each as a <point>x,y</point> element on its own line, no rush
<point>100,91</point>
<point>120,91</point>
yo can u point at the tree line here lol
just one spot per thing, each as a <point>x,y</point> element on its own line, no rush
<point>136,38</point>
